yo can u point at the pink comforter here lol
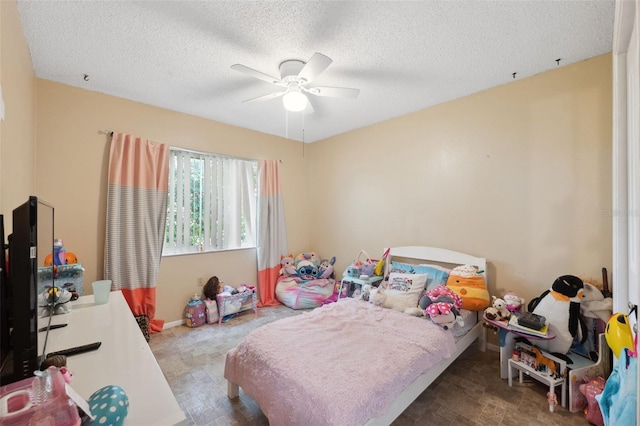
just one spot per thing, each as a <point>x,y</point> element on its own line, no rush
<point>340,364</point>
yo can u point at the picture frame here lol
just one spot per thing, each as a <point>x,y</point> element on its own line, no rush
<point>355,290</point>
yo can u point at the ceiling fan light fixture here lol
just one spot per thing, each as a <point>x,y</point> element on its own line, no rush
<point>294,101</point>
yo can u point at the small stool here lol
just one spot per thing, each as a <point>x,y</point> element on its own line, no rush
<point>552,382</point>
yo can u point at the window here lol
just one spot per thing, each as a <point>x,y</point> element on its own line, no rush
<point>212,202</point>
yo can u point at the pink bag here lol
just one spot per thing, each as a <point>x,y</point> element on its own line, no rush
<point>590,389</point>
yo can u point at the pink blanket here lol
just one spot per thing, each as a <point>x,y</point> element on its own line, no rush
<point>340,364</point>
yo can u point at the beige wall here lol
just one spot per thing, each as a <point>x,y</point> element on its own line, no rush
<point>17,134</point>
<point>72,159</point>
<point>519,174</point>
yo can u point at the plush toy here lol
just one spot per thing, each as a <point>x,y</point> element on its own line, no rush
<point>561,308</point>
<point>444,314</point>
<point>54,300</point>
<point>307,270</point>
<point>514,302</point>
<point>377,296</point>
<point>309,256</point>
<point>442,306</point>
<point>440,294</point>
<point>492,313</point>
<point>287,269</point>
<point>326,268</point>
<point>594,304</point>
<point>466,282</point>
<point>501,306</point>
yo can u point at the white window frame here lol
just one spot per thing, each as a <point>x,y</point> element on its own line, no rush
<point>225,209</point>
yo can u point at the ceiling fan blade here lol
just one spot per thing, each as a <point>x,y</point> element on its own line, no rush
<point>314,67</point>
<point>266,97</point>
<point>309,108</point>
<point>256,74</point>
<point>334,92</point>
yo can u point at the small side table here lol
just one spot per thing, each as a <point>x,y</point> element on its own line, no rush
<point>359,281</point>
<point>549,380</point>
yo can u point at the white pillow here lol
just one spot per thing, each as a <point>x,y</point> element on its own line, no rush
<point>404,290</point>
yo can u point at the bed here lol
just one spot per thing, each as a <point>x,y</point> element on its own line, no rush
<point>335,372</point>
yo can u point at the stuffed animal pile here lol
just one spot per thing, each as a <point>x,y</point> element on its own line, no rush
<point>306,266</point>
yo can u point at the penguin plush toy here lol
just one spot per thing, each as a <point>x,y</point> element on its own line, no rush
<point>561,307</point>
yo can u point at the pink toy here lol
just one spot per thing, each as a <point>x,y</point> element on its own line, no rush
<point>442,305</point>
<point>514,302</point>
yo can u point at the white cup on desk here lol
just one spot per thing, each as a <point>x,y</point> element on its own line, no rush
<point>101,290</point>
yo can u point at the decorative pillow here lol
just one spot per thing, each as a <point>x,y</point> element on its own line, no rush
<point>438,275</point>
<point>470,286</point>
<point>404,290</point>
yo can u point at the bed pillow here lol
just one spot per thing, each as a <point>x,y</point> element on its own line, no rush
<point>438,275</point>
<point>472,290</point>
<point>403,290</point>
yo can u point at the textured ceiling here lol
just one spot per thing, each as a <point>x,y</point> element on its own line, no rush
<point>403,56</point>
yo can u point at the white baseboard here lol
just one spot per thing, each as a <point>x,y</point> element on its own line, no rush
<point>493,347</point>
<point>173,324</point>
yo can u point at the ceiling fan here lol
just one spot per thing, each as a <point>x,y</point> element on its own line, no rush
<point>295,75</point>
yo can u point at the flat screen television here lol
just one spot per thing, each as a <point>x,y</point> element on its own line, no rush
<point>30,242</point>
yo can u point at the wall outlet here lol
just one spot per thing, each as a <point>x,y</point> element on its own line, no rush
<point>202,281</point>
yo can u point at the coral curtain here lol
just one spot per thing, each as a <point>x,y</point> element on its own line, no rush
<point>136,221</point>
<point>272,234</point>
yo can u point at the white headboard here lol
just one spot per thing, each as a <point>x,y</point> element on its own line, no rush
<point>438,256</point>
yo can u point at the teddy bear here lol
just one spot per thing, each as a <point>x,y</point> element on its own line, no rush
<point>501,306</point>
<point>287,269</point>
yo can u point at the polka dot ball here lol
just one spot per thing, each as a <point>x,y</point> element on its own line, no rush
<point>109,405</point>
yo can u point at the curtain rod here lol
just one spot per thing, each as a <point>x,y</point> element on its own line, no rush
<point>110,133</point>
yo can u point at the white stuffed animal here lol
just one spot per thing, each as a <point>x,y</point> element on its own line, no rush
<point>501,306</point>
<point>377,296</point>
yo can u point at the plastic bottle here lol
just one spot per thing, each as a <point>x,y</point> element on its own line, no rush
<point>59,253</point>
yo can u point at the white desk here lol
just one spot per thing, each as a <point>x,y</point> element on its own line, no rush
<point>124,359</point>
